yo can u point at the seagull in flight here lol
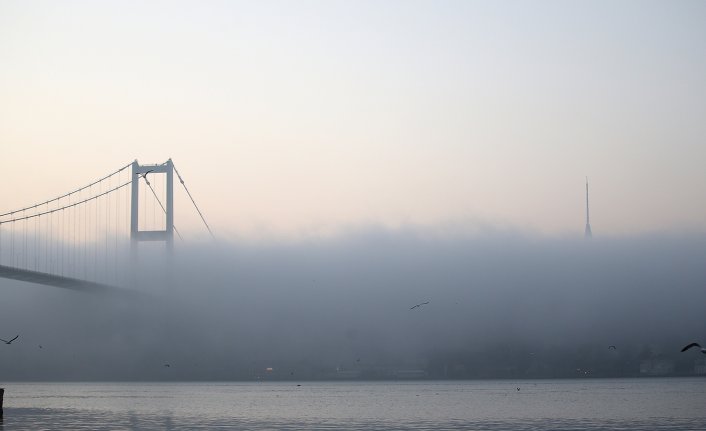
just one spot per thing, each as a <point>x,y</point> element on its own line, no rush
<point>9,342</point>
<point>689,346</point>
<point>419,305</point>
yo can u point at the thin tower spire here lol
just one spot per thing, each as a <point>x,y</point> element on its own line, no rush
<point>588,233</point>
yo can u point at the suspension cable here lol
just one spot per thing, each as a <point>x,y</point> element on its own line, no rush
<point>66,206</point>
<point>181,180</point>
<point>67,194</point>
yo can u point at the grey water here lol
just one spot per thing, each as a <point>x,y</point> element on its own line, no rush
<point>648,404</point>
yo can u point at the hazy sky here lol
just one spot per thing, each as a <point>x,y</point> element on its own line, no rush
<point>302,117</point>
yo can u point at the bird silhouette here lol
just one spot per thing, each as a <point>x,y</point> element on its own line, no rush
<point>9,342</point>
<point>689,346</point>
<point>612,347</point>
<point>419,305</point>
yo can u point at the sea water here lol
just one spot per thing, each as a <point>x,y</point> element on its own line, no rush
<point>634,404</point>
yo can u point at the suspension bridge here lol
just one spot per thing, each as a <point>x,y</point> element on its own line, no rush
<point>89,238</point>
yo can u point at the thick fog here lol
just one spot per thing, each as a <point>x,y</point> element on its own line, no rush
<point>500,305</point>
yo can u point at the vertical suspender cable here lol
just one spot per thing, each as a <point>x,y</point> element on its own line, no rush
<point>107,233</point>
<point>61,220</point>
<point>95,241</point>
<point>164,196</point>
<point>23,261</point>
<point>24,242</point>
<point>12,243</point>
<point>144,206</point>
<point>154,216</point>
<point>79,251</point>
<point>36,237</point>
<point>51,243</point>
<point>73,240</point>
<point>117,217</point>
<point>107,227</point>
<point>85,237</point>
<point>127,232</point>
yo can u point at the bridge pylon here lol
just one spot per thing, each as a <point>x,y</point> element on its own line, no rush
<point>136,235</point>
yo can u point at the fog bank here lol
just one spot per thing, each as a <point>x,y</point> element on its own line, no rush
<point>500,305</point>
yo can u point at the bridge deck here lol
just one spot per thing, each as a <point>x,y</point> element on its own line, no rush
<point>56,280</point>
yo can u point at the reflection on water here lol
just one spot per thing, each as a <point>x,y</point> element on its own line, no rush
<point>37,419</point>
<point>640,404</point>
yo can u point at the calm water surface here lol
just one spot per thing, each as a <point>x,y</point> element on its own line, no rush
<point>634,404</point>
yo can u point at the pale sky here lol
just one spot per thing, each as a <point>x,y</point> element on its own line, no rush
<point>309,116</point>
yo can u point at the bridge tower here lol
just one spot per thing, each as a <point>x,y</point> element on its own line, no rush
<point>167,235</point>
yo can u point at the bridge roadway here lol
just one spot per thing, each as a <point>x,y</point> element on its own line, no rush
<point>57,280</point>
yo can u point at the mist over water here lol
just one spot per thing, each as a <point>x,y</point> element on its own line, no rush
<point>501,305</point>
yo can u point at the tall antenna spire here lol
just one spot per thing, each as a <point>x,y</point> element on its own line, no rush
<point>588,233</point>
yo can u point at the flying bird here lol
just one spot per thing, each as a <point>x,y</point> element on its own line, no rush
<point>9,342</point>
<point>689,346</point>
<point>612,347</point>
<point>167,365</point>
<point>419,305</point>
